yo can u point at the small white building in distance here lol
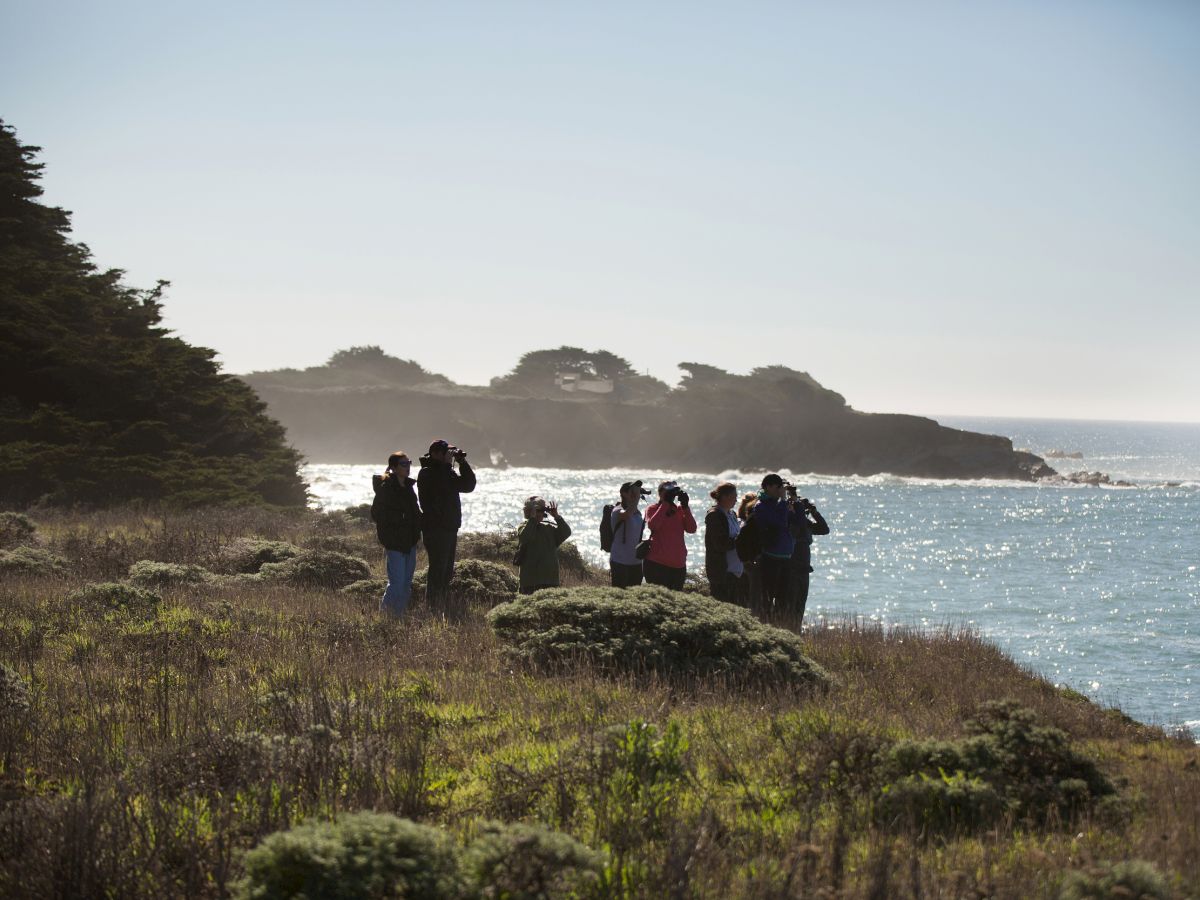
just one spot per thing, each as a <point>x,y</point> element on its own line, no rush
<point>573,381</point>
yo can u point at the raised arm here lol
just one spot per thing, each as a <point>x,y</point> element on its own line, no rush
<point>464,481</point>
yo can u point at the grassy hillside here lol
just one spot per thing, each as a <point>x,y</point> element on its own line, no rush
<point>157,728</point>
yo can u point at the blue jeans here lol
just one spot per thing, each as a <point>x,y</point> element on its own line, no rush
<point>400,568</point>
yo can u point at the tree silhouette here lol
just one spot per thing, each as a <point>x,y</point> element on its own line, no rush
<point>99,403</point>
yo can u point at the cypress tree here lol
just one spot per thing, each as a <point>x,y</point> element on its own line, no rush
<point>99,403</point>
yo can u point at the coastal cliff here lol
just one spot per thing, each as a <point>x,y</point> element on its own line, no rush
<point>771,418</point>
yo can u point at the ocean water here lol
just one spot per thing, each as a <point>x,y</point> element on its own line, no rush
<point>1098,588</point>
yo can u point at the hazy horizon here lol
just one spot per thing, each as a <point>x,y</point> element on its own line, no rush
<point>992,209</point>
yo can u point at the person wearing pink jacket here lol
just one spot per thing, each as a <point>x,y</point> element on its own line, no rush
<point>666,562</point>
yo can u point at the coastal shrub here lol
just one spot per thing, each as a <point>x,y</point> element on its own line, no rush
<point>107,596</point>
<point>367,589</point>
<point>638,772</point>
<point>500,547</point>
<point>15,528</point>
<point>939,804</point>
<point>649,628</point>
<point>494,546</point>
<point>527,862</point>
<point>248,555</point>
<point>14,695</point>
<point>151,574</point>
<point>476,580</point>
<point>1030,768</point>
<point>364,854</point>
<point>31,561</point>
<point>1130,880</point>
<point>14,713</point>
<point>317,569</point>
<point>360,513</point>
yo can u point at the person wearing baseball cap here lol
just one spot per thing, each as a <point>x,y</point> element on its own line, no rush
<point>439,487</point>
<point>628,526</point>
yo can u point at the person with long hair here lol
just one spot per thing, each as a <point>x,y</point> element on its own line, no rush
<point>721,562</point>
<point>397,518</point>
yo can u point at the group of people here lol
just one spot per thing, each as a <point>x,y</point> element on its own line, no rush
<point>766,568</point>
<point>432,512</point>
<point>758,556</point>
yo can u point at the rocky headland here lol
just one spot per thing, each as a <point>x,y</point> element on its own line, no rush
<point>360,406</point>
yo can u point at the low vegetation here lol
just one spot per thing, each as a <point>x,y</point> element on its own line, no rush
<point>241,735</point>
<point>650,630</point>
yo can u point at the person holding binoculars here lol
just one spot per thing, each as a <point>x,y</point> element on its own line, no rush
<point>808,523</point>
<point>665,563</point>
<point>538,538</point>
<point>439,487</point>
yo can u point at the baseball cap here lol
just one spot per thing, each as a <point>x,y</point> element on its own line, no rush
<point>439,444</point>
<point>771,479</point>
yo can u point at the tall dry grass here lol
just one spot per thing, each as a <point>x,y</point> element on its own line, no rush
<point>159,744</point>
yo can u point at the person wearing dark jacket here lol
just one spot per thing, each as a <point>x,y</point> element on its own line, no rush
<point>810,522</point>
<point>775,516</point>
<point>439,487</point>
<point>537,544</point>
<point>721,562</point>
<point>397,521</point>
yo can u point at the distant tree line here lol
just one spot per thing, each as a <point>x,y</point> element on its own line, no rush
<point>99,403</point>
<point>536,375</point>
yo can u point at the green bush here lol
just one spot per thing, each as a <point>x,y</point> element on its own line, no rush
<point>1032,770</point>
<point>107,596</point>
<point>367,589</point>
<point>501,546</point>
<point>14,695</point>
<point>31,561</point>
<point>650,628</point>
<point>150,574</point>
<point>944,804</point>
<point>363,855</point>
<point>317,569</point>
<point>15,528</point>
<point>493,546</point>
<point>360,513</point>
<point>527,862</point>
<point>1130,880</point>
<point>476,580</point>
<point>248,555</point>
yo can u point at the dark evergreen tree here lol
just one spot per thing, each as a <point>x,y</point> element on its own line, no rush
<point>100,404</point>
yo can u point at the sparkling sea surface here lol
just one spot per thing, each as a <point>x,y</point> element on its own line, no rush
<point>1098,588</point>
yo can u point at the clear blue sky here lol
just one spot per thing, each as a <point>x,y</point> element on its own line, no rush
<point>960,207</point>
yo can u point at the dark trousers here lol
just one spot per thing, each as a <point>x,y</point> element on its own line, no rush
<point>798,584</point>
<point>774,572</point>
<point>440,546</point>
<point>667,576</point>
<point>534,588</point>
<point>727,587</point>
<point>624,576</point>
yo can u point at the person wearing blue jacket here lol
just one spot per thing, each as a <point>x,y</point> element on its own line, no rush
<point>774,517</point>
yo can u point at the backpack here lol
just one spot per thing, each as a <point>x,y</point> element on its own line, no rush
<point>749,542</point>
<point>606,529</point>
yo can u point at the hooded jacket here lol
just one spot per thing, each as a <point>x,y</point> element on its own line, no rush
<point>775,517</point>
<point>395,513</point>
<point>438,486</point>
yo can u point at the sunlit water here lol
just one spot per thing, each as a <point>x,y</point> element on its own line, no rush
<point>1098,588</point>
